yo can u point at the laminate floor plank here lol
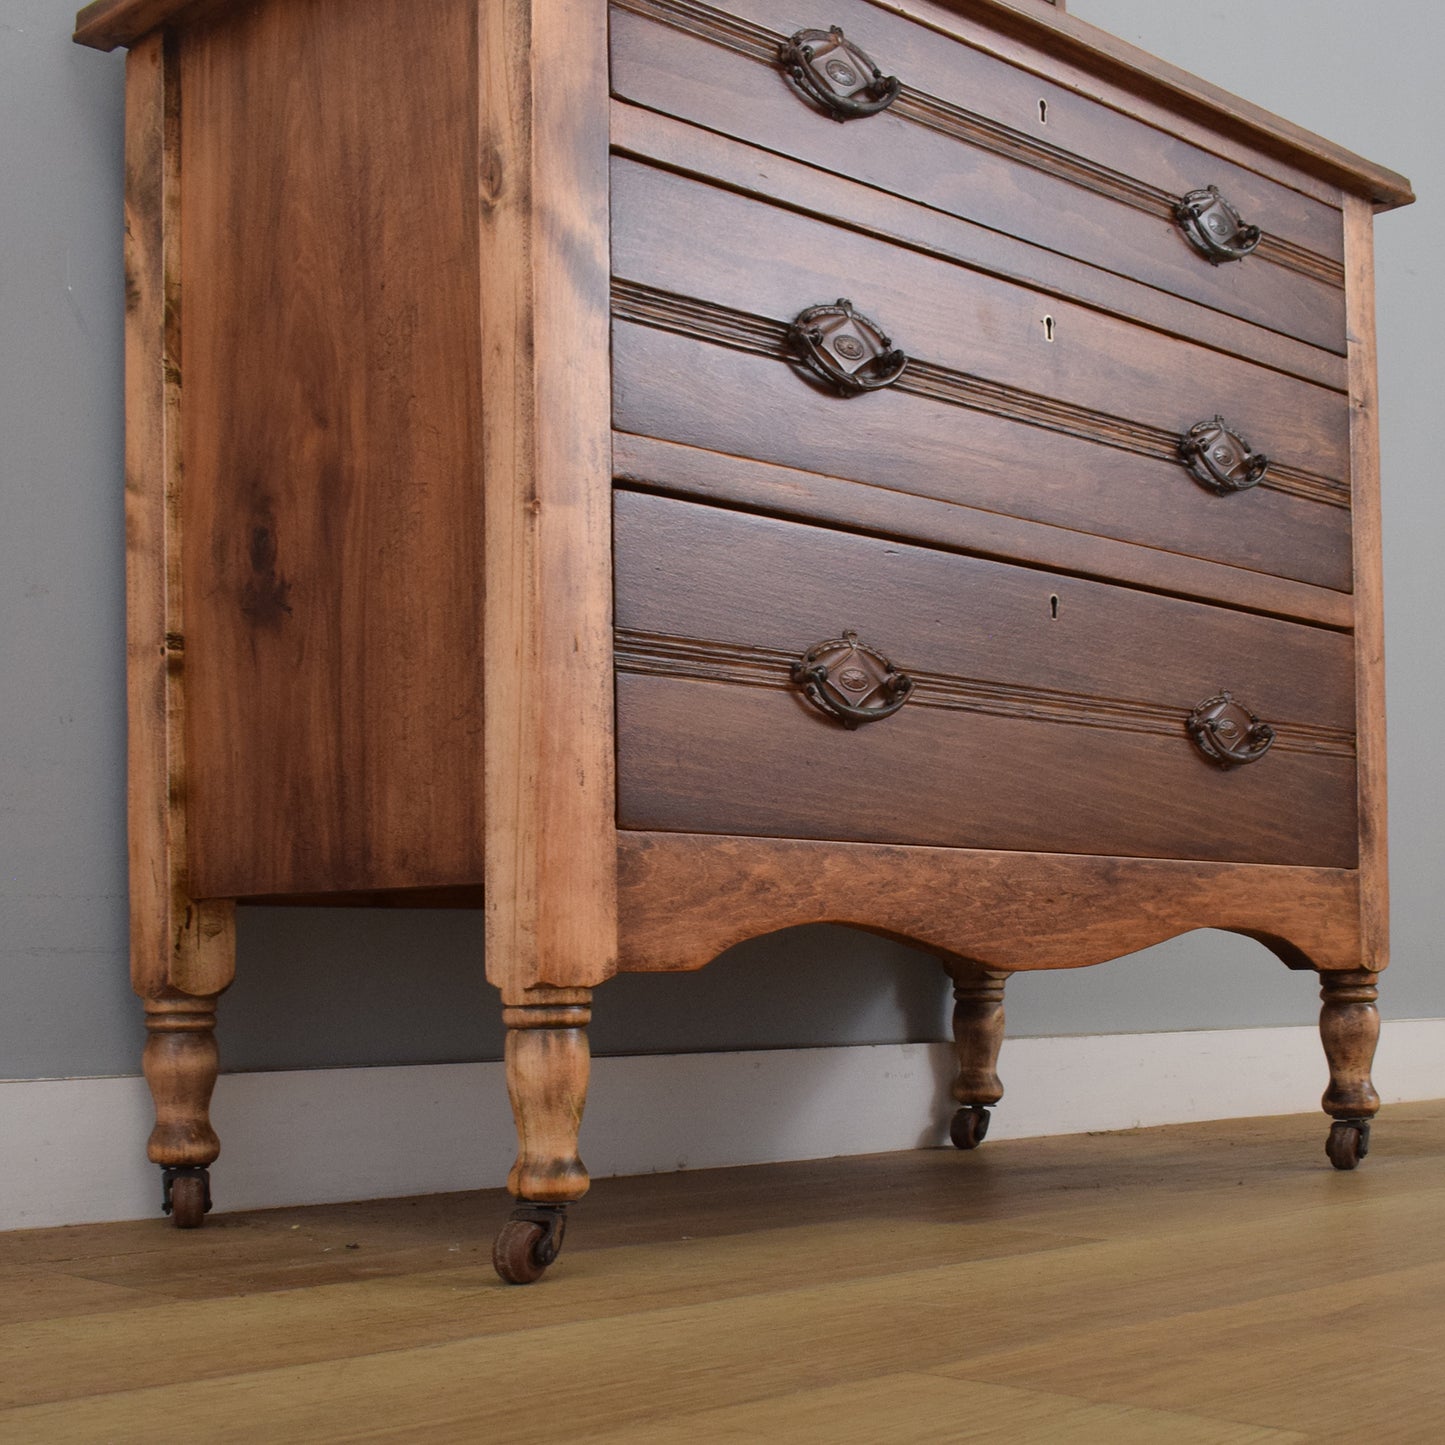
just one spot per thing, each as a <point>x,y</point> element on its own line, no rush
<point>1211,1282</point>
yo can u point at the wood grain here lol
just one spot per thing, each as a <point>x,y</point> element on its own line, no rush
<point>332,449</point>
<point>696,80</point>
<point>706,154</point>
<point>1159,1284</point>
<point>997,106</point>
<point>687,898</point>
<point>685,237</point>
<point>550,880</point>
<point>1174,99</point>
<point>176,943</point>
<point>1369,586</point>
<point>886,511</point>
<point>755,404</point>
<point>688,571</point>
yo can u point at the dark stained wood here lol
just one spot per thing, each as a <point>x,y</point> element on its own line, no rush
<point>550,874</point>
<point>701,572</point>
<point>948,778</point>
<point>685,899</point>
<point>679,389</point>
<point>108,23</point>
<point>887,512</point>
<point>181,1063</point>
<point>681,236</point>
<point>332,448</point>
<point>686,76</point>
<point>1076,126</point>
<point>831,197</point>
<point>1029,730</point>
<point>176,943</point>
<point>1135,80</point>
<point>1369,585</point>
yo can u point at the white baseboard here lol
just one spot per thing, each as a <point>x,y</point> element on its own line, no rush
<point>72,1150</point>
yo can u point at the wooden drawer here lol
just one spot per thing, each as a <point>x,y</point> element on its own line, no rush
<point>975,137</point>
<point>1049,713</point>
<point>1014,401</point>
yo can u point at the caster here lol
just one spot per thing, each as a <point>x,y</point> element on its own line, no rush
<point>969,1127</point>
<point>187,1195</point>
<point>1348,1143</point>
<point>528,1242</point>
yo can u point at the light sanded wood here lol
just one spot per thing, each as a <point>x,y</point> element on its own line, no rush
<point>1003,910</point>
<point>1369,589</point>
<point>547,1069</point>
<point>884,511</point>
<point>175,943</point>
<point>550,873</point>
<point>1217,1274</point>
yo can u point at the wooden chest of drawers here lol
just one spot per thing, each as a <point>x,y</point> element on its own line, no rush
<point>671,472</point>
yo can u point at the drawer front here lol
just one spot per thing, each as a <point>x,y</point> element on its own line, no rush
<point>1048,713</point>
<point>1012,402</point>
<point>967,136</point>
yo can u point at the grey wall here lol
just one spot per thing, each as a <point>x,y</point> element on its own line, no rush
<point>326,988</point>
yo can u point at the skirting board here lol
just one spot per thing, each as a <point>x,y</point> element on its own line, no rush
<point>72,1150</point>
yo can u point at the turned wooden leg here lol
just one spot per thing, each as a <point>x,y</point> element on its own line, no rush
<point>547,1067</point>
<point>978,1024</point>
<point>1349,1029</point>
<point>180,1063</point>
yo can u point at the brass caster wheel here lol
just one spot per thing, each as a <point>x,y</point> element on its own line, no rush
<point>1348,1143</point>
<point>528,1242</point>
<point>187,1196</point>
<point>969,1127</point>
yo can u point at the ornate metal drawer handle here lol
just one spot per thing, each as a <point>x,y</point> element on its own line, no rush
<point>1221,459</point>
<point>847,351</point>
<point>1214,227</point>
<point>838,77</point>
<point>851,682</point>
<point>1227,733</point>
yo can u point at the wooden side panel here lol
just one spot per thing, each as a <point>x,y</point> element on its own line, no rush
<point>176,944</point>
<point>332,446</point>
<point>684,899</point>
<point>551,860</point>
<point>1369,592</point>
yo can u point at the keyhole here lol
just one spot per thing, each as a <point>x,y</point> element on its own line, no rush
<point>1048,328</point>
<point>1043,112</point>
<point>1054,605</point>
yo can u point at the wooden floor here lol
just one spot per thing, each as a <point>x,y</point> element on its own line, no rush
<point>1215,1282</point>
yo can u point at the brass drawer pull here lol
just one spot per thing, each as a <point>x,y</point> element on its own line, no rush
<point>1221,459</point>
<point>1227,733</point>
<point>1214,227</point>
<point>851,682</point>
<point>839,78</point>
<point>847,351</point>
